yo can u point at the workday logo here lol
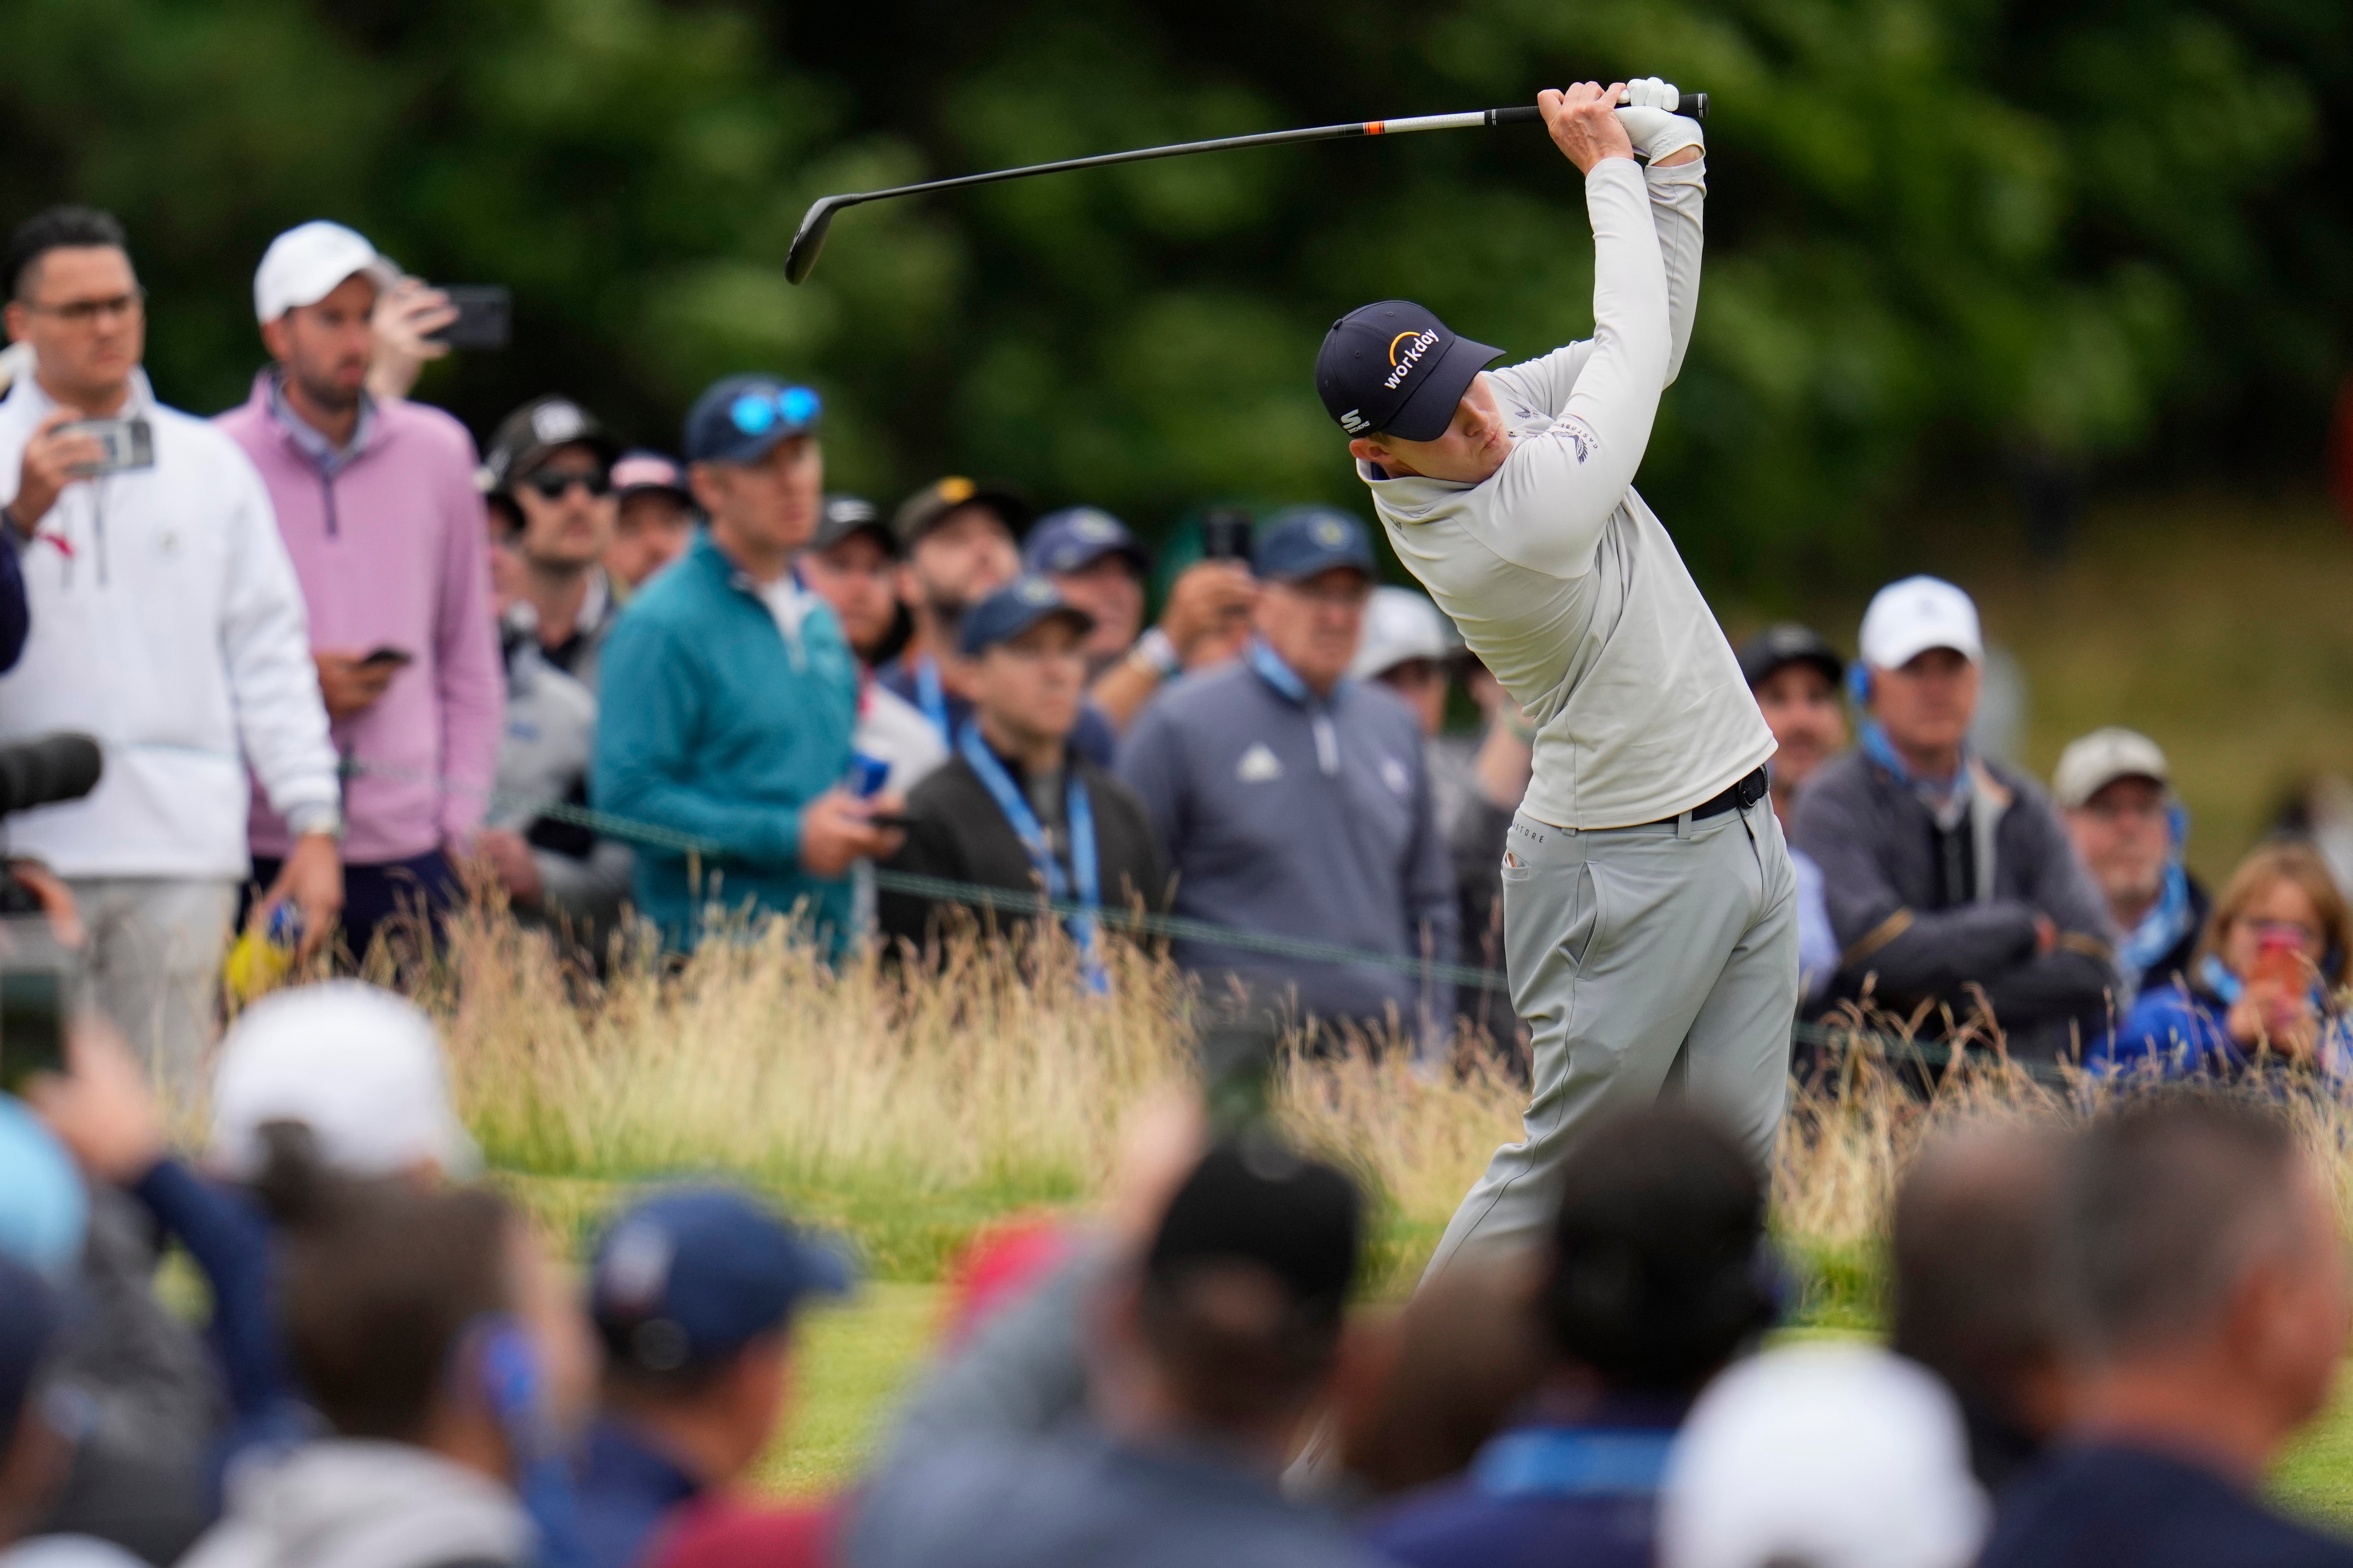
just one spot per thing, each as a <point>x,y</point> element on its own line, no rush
<point>1415,344</point>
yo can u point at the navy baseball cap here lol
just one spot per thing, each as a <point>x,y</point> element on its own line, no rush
<point>1393,368</point>
<point>1777,647</point>
<point>740,418</point>
<point>1302,542</point>
<point>1014,608</point>
<point>843,516</point>
<point>694,1274</point>
<point>1079,536</point>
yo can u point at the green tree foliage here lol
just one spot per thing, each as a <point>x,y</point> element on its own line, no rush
<point>1946,236</point>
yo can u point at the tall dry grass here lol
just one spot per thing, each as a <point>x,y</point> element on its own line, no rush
<point>929,1103</point>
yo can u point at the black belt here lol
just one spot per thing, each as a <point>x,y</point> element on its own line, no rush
<point>1747,793</point>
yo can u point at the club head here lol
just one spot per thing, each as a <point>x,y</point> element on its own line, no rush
<point>800,258</point>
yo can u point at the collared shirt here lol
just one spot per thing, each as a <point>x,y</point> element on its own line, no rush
<point>330,459</point>
<point>626,1488</point>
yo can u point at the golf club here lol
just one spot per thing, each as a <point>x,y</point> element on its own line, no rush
<point>801,258</point>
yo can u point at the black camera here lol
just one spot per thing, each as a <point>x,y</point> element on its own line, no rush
<point>36,970</point>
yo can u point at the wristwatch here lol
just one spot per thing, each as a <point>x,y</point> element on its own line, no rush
<point>1154,652</point>
<point>319,819</point>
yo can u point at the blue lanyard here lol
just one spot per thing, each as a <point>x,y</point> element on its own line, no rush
<point>1553,1462</point>
<point>1286,682</point>
<point>1085,870</point>
<point>932,699</point>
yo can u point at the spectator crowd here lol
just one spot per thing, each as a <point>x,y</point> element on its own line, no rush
<point>341,664</point>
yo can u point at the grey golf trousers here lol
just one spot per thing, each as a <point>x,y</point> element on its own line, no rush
<point>1648,961</point>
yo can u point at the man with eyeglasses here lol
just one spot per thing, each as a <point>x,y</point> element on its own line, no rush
<point>375,502</point>
<point>1294,801</point>
<point>550,471</point>
<point>167,619</point>
<point>2115,791</point>
<point>730,694</point>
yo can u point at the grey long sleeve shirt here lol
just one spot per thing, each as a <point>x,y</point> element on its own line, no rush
<point>1311,820</point>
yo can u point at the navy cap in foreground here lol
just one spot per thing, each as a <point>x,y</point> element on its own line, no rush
<point>1394,369</point>
<point>1077,537</point>
<point>694,1274</point>
<point>739,418</point>
<point>1304,542</point>
<point>1014,608</point>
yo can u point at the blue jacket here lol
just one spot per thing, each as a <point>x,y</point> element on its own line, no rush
<point>711,724</point>
<point>2115,1507</point>
<point>628,1490</point>
<point>2175,1032</point>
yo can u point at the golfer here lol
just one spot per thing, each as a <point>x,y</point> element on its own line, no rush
<point>1649,912</point>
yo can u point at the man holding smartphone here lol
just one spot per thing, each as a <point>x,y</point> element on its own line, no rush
<point>376,505</point>
<point>167,619</point>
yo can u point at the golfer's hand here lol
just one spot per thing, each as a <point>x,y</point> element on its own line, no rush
<point>51,463</point>
<point>406,314</point>
<point>834,832</point>
<point>1664,137</point>
<point>349,686</point>
<point>1584,123</point>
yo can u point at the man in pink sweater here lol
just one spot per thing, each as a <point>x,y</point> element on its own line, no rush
<point>377,506</point>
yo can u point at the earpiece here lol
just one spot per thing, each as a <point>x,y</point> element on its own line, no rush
<point>505,1369</point>
<point>1858,683</point>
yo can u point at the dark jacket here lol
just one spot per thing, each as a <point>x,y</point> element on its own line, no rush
<point>2113,1506</point>
<point>957,831</point>
<point>1930,913</point>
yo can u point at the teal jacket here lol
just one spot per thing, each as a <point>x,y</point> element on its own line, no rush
<point>712,723</point>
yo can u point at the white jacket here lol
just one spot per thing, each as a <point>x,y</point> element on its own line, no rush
<point>166,621</point>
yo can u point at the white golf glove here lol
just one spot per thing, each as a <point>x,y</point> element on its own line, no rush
<point>1647,114</point>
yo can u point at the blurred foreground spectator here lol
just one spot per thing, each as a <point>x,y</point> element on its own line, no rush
<point>2209,1303</point>
<point>729,695</point>
<point>1099,566</point>
<point>1828,1454</point>
<point>550,471</point>
<point>1203,1352</point>
<point>2265,978</point>
<point>167,617</point>
<point>448,1364</point>
<point>1654,1279</point>
<point>1296,802</point>
<point>1795,676</point>
<point>556,872</point>
<point>2130,830</point>
<point>654,523</point>
<point>32,1450</point>
<point>1978,1292</point>
<point>1019,808</point>
<point>1476,781</point>
<point>694,1293</point>
<point>1947,875</point>
<point>376,504</point>
<point>852,564</point>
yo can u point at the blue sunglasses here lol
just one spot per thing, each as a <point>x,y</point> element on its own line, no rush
<point>757,413</point>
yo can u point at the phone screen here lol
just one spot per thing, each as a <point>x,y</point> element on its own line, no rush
<point>484,313</point>
<point>1225,536</point>
<point>32,1025</point>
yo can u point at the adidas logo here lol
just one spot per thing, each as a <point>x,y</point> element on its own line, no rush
<point>1258,765</point>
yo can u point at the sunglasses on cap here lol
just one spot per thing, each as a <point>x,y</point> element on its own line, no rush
<point>551,484</point>
<point>756,413</point>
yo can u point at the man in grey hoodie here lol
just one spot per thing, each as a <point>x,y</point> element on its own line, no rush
<point>431,1333</point>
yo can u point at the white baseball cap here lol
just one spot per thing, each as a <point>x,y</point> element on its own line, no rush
<point>1400,624</point>
<point>358,1064</point>
<point>1906,619</point>
<point>308,262</point>
<point>1838,1456</point>
<point>2095,761</point>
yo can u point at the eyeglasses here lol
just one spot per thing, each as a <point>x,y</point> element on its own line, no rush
<point>84,312</point>
<point>756,413</point>
<point>553,485</point>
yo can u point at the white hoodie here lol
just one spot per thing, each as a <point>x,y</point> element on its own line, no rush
<point>166,621</point>
<point>344,1502</point>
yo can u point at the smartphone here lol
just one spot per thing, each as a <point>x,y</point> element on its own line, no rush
<point>893,821</point>
<point>36,993</point>
<point>485,311</point>
<point>1226,535</point>
<point>130,444</point>
<point>395,656</point>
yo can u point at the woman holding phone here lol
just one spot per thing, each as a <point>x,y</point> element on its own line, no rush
<point>2267,977</point>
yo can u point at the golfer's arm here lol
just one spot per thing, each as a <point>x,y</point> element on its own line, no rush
<point>1557,489</point>
<point>1678,195</point>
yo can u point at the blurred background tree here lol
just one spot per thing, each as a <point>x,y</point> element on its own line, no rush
<point>1955,244</point>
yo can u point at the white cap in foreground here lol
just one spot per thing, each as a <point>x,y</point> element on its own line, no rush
<point>308,262</point>
<point>1400,624</point>
<point>2090,764</point>
<point>360,1066</point>
<point>1907,619</point>
<point>1837,1456</point>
